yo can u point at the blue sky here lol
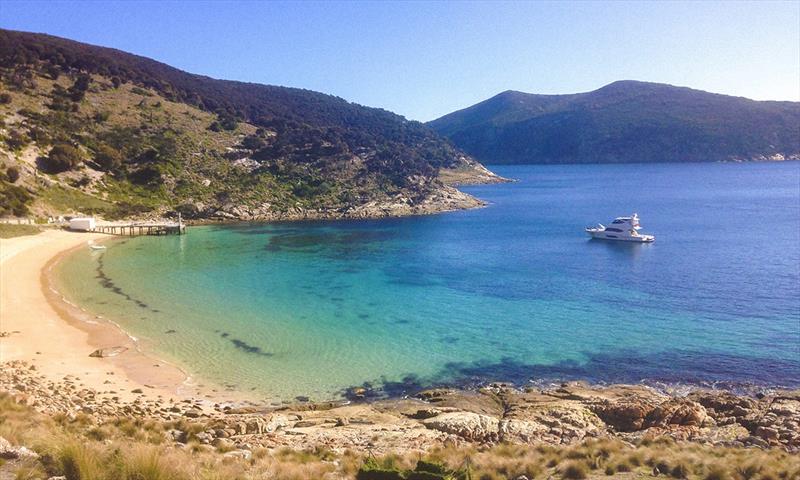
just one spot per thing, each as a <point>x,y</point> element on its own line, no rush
<point>426,59</point>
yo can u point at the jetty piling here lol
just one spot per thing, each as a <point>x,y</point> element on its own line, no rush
<point>135,229</point>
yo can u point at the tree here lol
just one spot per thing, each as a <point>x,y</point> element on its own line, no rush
<point>78,90</point>
<point>13,174</point>
<point>62,157</point>
<point>16,139</point>
<point>14,200</point>
<point>108,158</point>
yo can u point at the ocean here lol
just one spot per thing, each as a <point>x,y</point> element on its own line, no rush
<point>515,291</point>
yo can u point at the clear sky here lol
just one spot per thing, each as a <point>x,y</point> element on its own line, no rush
<point>426,59</point>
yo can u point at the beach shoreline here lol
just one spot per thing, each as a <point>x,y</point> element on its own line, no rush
<point>46,364</point>
<point>56,337</point>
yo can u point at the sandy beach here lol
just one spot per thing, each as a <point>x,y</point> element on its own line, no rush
<point>56,337</point>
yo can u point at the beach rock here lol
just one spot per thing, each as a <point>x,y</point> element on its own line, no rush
<point>676,412</point>
<point>10,452</point>
<point>435,394</point>
<point>243,454</point>
<point>521,431</point>
<point>256,425</point>
<point>468,425</point>
<point>276,422</point>
<point>625,415</point>
<point>205,438</point>
<point>108,352</point>
<point>177,435</point>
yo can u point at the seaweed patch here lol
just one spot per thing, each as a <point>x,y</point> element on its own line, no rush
<point>108,284</point>
<point>249,348</point>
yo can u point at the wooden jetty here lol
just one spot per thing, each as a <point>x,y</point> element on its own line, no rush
<point>142,229</point>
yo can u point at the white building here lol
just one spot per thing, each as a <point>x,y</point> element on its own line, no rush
<point>84,224</point>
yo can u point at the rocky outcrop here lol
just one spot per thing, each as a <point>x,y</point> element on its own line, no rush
<point>677,411</point>
<point>434,198</point>
<point>467,425</point>
<point>496,413</point>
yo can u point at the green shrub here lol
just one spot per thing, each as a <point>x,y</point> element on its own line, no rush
<point>12,173</point>
<point>14,200</point>
<point>371,470</point>
<point>680,470</point>
<point>108,158</point>
<point>574,471</point>
<point>16,140</point>
<point>62,157</point>
<point>101,117</point>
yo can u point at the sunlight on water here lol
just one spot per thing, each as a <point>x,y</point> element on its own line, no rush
<point>514,291</point>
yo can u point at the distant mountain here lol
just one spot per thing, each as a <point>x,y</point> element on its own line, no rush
<point>123,128</point>
<point>626,121</point>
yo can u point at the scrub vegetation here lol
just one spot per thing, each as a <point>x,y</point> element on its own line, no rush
<point>145,137</point>
<point>81,448</point>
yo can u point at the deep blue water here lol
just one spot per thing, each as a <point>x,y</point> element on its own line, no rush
<point>514,291</point>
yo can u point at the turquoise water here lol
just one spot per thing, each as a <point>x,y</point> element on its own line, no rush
<point>515,291</point>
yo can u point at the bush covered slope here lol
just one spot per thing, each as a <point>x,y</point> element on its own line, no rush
<point>137,136</point>
<point>625,121</point>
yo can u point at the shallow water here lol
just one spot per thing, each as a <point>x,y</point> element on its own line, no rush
<point>514,291</point>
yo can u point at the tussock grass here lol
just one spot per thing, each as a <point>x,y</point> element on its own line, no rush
<point>82,448</point>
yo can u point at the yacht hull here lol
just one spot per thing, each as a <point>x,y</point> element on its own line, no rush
<point>601,235</point>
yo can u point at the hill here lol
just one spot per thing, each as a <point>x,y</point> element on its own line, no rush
<point>96,130</point>
<point>623,122</point>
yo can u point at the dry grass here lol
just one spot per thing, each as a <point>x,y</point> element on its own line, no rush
<point>131,449</point>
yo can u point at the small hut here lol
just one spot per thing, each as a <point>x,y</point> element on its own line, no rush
<point>82,224</point>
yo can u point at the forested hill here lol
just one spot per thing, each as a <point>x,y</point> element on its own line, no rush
<point>267,149</point>
<point>626,121</point>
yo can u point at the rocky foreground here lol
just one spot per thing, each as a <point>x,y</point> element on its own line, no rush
<point>439,417</point>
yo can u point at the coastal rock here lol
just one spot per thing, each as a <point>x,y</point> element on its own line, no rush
<point>108,352</point>
<point>243,454</point>
<point>676,412</point>
<point>468,425</point>
<point>10,452</point>
<point>522,431</point>
<point>626,415</point>
<point>553,418</point>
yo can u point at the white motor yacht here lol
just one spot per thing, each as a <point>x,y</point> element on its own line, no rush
<point>625,229</point>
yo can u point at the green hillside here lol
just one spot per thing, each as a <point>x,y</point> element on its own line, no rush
<point>624,122</point>
<point>88,129</point>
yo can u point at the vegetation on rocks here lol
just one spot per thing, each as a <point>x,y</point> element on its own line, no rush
<point>51,428</point>
<point>80,448</point>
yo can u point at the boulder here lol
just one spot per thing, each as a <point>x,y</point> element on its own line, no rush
<point>468,425</point>
<point>624,415</point>
<point>243,454</point>
<point>676,411</point>
<point>10,452</point>
<point>108,352</point>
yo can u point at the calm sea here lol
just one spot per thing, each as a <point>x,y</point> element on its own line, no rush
<point>514,291</point>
